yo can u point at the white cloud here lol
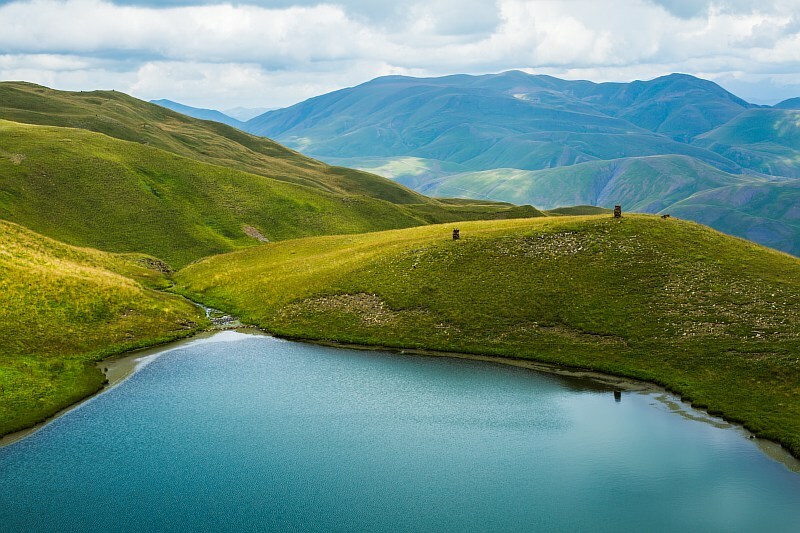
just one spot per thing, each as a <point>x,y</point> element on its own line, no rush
<point>223,55</point>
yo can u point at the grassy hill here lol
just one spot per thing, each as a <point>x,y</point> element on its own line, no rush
<point>768,213</point>
<point>540,140</point>
<point>764,140</point>
<point>89,189</point>
<point>712,317</point>
<point>63,308</point>
<point>645,184</point>
<point>126,118</point>
<point>759,208</point>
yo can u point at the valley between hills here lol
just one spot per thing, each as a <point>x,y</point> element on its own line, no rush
<point>676,144</point>
<point>115,211</point>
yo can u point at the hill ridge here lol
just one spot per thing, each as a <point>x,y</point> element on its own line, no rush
<point>711,317</point>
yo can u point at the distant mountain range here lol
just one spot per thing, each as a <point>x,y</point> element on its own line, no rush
<point>202,114</point>
<point>246,113</point>
<point>675,144</point>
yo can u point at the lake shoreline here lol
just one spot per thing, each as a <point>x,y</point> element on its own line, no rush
<point>117,368</point>
<point>120,367</point>
<point>771,448</point>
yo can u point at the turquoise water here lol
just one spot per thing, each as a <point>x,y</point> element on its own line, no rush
<point>244,432</point>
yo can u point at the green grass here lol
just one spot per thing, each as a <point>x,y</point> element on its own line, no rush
<point>644,184</point>
<point>765,140</point>
<point>757,208</point>
<point>766,213</point>
<point>578,210</point>
<point>126,118</point>
<point>713,318</point>
<point>90,189</point>
<point>61,309</point>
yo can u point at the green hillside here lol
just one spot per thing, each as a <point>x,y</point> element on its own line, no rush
<point>645,184</point>
<point>712,317</point>
<point>507,120</point>
<point>765,140</point>
<point>89,189</point>
<point>124,117</point>
<point>540,140</point>
<point>758,208</point>
<point>578,210</point>
<point>63,308</point>
<point>768,213</point>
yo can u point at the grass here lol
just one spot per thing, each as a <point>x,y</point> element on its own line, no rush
<point>714,318</point>
<point>764,140</point>
<point>126,118</point>
<point>757,208</point>
<point>578,210</point>
<point>63,308</point>
<point>644,184</point>
<point>89,189</point>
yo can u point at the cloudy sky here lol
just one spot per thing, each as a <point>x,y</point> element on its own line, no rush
<point>277,52</point>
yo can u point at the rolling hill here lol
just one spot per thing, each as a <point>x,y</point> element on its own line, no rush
<point>758,208</point>
<point>516,137</point>
<point>712,317</point>
<point>509,120</point>
<point>644,184</point>
<point>763,140</point>
<point>90,189</point>
<point>123,117</point>
<point>63,308</point>
<point>791,103</point>
<point>762,212</point>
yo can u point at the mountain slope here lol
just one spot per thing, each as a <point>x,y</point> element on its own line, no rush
<point>764,140</point>
<point>126,118</point>
<point>644,184</point>
<point>791,103</point>
<point>403,116</point>
<point>63,308</point>
<point>752,207</point>
<point>510,120</point>
<point>515,137</point>
<point>767,213</point>
<point>715,318</point>
<point>678,105</point>
<point>202,114</point>
<point>89,189</point>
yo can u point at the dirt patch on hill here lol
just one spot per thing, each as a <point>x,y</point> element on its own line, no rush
<point>371,309</point>
<point>250,231</point>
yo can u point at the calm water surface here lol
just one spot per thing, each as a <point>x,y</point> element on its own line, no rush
<point>245,432</point>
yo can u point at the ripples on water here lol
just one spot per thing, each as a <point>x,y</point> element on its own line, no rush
<point>245,432</point>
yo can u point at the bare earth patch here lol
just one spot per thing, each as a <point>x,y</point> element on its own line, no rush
<point>250,231</point>
<point>372,310</point>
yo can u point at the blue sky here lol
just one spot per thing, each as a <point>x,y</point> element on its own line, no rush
<point>275,53</point>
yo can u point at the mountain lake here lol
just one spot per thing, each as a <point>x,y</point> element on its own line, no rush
<point>240,431</point>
